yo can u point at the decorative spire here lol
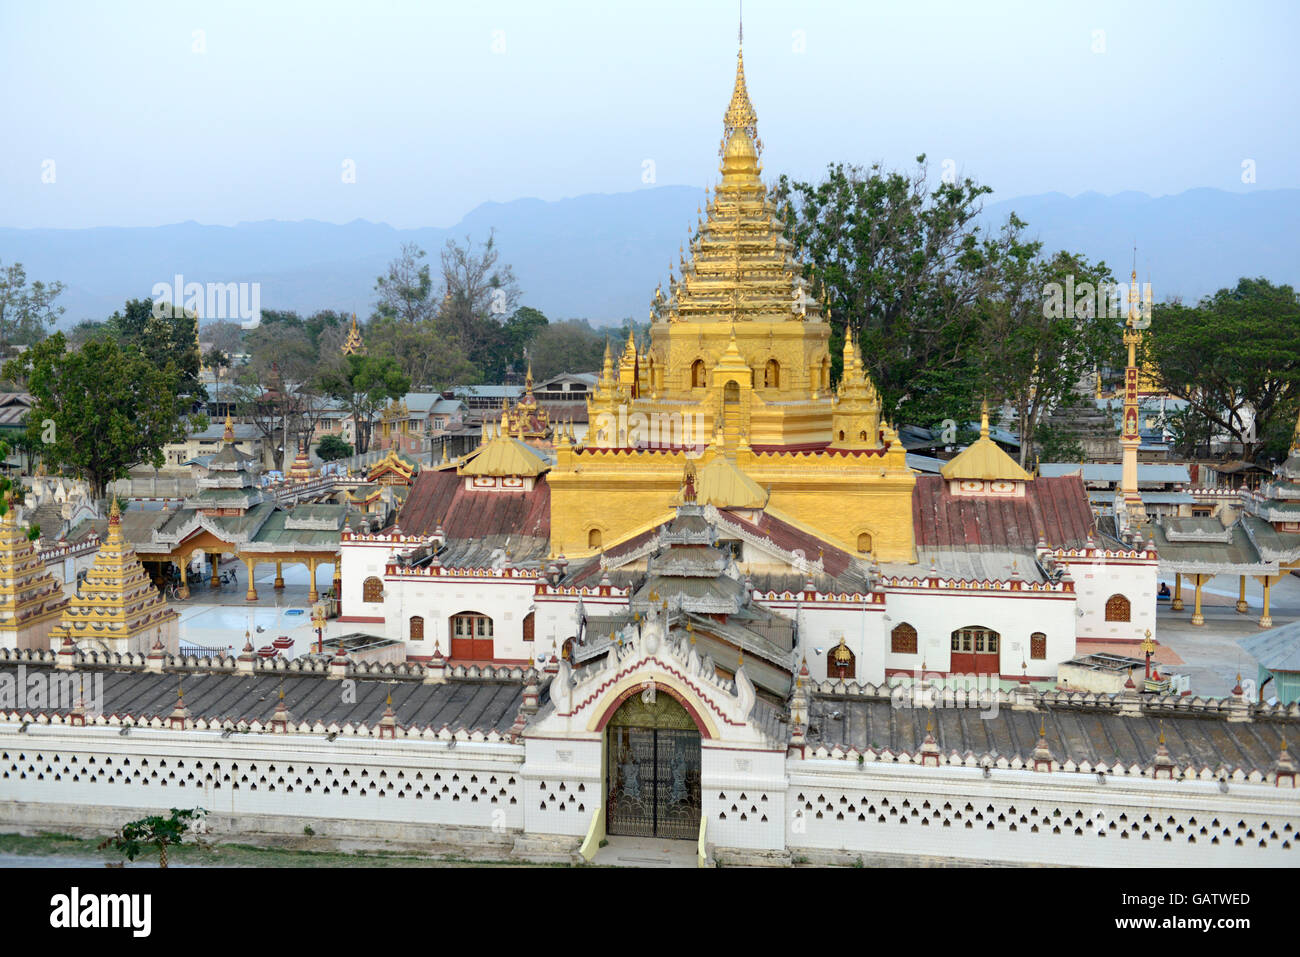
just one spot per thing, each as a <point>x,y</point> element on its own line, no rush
<point>740,113</point>
<point>229,436</point>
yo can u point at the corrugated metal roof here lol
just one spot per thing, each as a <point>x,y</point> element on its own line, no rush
<point>1055,509</point>
<point>440,496</point>
<point>1148,472</point>
<point>1277,649</point>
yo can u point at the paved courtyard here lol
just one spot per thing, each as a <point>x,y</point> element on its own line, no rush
<point>1209,652</point>
<point>217,619</point>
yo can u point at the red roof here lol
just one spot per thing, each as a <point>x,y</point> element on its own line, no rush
<point>441,497</point>
<point>789,537</point>
<point>1055,509</point>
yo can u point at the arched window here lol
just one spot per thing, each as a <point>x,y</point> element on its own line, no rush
<point>840,663</point>
<point>902,640</point>
<point>772,375</point>
<point>1037,646</point>
<point>862,436</point>
<point>1117,608</point>
<point>593,538</point>
<point>697,374</point>
<point>864,542</point>
<point>417,628</point>
<point>528,626</point>
<point>471,636</point>
<point>731,392</point>
<point>372,589</point>
<point>841,435</point>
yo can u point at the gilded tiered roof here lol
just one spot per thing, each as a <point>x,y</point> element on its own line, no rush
<point>117,600</point>
<point>29,592</point>
<point>354,345</point>
<point>526,419</point>
<point>741,266</point>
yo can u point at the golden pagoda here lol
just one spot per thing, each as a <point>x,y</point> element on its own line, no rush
<point>526,420</point>
<point>301,470</point>
<point>354,345</point>
<point>119,610</point>
<point>737,366</point>
<point>31,598</point>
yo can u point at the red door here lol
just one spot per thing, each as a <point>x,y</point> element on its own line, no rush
<point>471,638</point>
<point>975,652</point>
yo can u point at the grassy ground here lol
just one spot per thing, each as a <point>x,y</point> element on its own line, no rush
<point>46,844</point>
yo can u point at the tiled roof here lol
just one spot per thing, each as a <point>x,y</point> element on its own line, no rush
<point>440,496</point>
<point>472,704</point>
<point>1055,509</point>
<point>1078,734</point>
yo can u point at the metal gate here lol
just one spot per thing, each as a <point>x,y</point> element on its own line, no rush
<point>654,770</point>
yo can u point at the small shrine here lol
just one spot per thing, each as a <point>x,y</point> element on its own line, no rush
<point>119,610</point>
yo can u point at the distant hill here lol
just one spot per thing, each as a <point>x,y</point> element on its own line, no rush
<point>600,256</point>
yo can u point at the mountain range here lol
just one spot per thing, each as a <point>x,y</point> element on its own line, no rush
<point>600,256</point>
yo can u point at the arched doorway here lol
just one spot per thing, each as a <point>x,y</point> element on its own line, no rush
<point>654,769</point>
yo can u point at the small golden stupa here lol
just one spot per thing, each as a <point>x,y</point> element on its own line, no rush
<point>31,598</point>
<point>119,610</point>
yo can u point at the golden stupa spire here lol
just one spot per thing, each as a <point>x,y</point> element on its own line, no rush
<point>354,345</point>
<point>740,113</point>
<point>229,436</point>
<point>984,419</point>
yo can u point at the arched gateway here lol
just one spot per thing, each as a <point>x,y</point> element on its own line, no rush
<point>653,769</point>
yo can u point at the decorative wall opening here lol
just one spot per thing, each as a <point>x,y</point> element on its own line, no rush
<point>653,779</point>
<point>593,538</point>
<point>697,374</point>
<point>1037,646</point>
<point>372,589</point>
<point>1117,608</point>
<point>902,640</point>
<point>864,542</point>
<point>529,624</point>
<point>772,375</point>
<point>416,631</point>
<point>841,663</point>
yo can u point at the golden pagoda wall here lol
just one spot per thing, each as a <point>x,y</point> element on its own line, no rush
<point>837,497</point>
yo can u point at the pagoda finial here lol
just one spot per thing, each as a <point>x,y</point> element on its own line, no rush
<point>984,419</point>
<point>229,436</point>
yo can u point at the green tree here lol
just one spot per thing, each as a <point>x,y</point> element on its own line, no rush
<point>426,356</point>
<point>333,447</point>
<point>111,408</point>
<point>1235,358</point>
<point>156,831</point>
<point>365,384</point>
<point>166,335</point>
<point>223,334</point>
<point>1033,347</point>
<point>903,265</point>
<point>568,346</point>
<point>27,310</point>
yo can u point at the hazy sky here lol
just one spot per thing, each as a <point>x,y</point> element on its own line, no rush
<point>222,112</point>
